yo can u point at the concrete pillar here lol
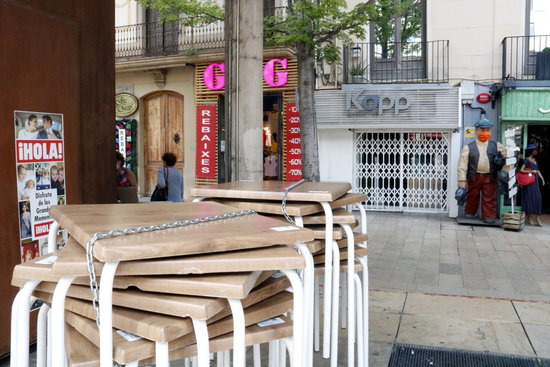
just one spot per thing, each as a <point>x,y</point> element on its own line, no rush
<point>243,88</point>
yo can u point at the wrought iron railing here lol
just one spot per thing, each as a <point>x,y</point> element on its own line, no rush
<point>397,62</point>
<point>172,38</point>
<point>526,58</point>
<point>168,38</point>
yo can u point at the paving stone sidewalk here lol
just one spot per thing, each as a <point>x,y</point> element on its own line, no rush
<point>431,253</point>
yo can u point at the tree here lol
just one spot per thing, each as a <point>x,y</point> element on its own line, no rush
<point>311,27</point>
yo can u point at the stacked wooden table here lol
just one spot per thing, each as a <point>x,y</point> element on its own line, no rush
<point>156,294</point>
<point>312,204</point>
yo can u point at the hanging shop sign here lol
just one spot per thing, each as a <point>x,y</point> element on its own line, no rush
<point>214,74</point>
<point>293,144</point>
<point>126,104</point>
<point>40,175</point>
<point>207,126</point>
<point>125,141</point>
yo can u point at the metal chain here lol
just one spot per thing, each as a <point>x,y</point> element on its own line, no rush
<point>283,204</point>
<point>155,227</point>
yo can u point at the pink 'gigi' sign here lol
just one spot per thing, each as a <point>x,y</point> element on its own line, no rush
<point>214,77</point>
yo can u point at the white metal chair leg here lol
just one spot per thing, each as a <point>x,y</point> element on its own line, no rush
<point>219,359</point>
<point>106,314</point>
<point>335,304</point>
<point>14,328</point>
<point>201,334</point>
<point>290,347</point>
<point>42,337</point>
<point>274,353</point>
<point>161,354</point>
<point>187,363</point>
<point>344,300</point>
<point>132,364</point>
<point>282,354</point>
<point>239,347</point>
<point>309,274</point>
<point>298,291</point>
<point>22,316</point>
<point>257,355</point>
<point>227,358</point>
<point>360,315</point>
<point>58,320</point>
<point>327,291</point>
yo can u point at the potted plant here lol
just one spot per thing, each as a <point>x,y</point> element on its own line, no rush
<point>357,71</point>
<point>542,68</point>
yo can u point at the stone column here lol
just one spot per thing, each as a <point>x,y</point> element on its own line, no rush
<point>243,88</point>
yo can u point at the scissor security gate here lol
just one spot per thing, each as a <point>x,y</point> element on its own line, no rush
<point>403,171</point>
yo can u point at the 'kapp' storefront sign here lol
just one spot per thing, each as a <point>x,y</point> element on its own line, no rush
<point>206,160</point>
<point>40,174</point>
<point>214,74</point>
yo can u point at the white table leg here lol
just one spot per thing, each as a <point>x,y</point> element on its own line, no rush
<point>317,313</point>
<point>309,274</point>
<point>327,291</point>
<point>364,263</point>
<point>257,355</point>
<point>21,312</point>
<point>239,347</point>
<point>298,313</point>
<point>58,320</point>
<point>290,347</point>
<point>351,294</point>
<point>42,337</point>
<point>49,360</point>
<point>360,315</point>
<point>203,349</point>
<point>335,304</point>
<point>161,354</point>
<point>106,314</point>
<point>52,237</point>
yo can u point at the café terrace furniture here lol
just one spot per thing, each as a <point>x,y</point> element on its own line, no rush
<point>207,230</point>
<point>299,200</point>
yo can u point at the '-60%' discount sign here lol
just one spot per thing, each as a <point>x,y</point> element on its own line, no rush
<point>293,144</point>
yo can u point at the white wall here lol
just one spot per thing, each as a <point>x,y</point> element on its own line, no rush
<point>336,155</point>
<point>475,30</point>
<point>127,12</point>
<point>180,80</point>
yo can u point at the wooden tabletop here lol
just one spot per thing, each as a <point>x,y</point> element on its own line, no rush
<point>273,190</point>
<point>71,261</point>
<point>247,231</point>
<point>293,208</point>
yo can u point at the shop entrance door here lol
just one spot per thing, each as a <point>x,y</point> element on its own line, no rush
<point>540,135</point>
<point>403,171</point>
<point>163,132</point>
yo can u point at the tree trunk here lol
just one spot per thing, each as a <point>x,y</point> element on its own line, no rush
<point>306,106</point>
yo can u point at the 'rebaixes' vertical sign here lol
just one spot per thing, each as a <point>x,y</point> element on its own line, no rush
<point>293,143</point>
<point>206,160</point>
<point>40,174</point>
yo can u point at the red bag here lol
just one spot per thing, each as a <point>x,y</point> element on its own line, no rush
<point>525,179</point>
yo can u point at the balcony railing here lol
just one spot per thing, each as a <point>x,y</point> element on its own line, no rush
<point>168,38</point>
<point>173,38</point>
<point>397,62</point>
<point>526,59</point>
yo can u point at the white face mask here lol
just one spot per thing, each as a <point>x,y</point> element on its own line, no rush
<point>118,165</point>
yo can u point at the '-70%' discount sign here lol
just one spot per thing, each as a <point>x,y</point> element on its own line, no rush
<point>293,143</point>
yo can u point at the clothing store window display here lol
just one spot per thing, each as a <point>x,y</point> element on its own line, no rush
<point>478,167</point>
<point>532,198</point>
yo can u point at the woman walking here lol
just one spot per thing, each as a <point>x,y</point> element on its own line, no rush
<point>170,177</point>
<point>532,198</point>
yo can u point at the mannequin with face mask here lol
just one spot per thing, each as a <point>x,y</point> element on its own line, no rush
<point>478,173</point>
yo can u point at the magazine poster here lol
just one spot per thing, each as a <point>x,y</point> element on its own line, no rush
<point>40,176</point>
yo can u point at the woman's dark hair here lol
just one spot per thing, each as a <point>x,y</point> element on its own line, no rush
<point>120,157</point>
<point>529,152</point>
<point>170,159</point>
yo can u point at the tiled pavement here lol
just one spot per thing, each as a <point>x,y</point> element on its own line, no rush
<point>434,254</point>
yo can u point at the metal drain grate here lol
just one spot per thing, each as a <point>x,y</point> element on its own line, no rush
<point>406,355</point>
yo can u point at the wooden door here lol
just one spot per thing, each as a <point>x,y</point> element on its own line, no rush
<point>163,132</point>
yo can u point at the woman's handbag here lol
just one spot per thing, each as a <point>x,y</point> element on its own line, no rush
<point>525,179</point>
<point>161,194</point>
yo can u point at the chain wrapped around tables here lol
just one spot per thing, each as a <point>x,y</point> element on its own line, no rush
<point>283,204</point>
<point>142,229</point>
